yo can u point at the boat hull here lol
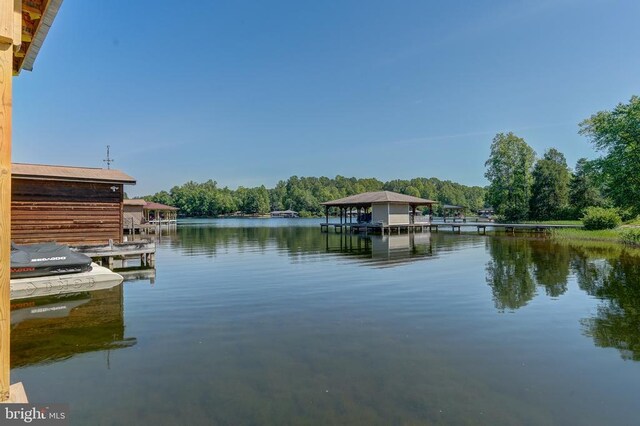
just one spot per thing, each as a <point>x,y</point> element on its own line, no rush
<point>98,278</point>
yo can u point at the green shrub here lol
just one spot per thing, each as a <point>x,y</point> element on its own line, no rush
<point>600,218</point>
<point>630,236</point>
<point>626,214</point>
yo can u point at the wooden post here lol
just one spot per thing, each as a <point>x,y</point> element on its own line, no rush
<point>326,213</point>
<point>10,36</point>
<point>6,71</point>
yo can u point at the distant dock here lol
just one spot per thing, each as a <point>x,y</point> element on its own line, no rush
<point>481,227</point>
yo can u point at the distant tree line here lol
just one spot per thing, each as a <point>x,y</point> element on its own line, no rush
<point>522,187</point>
<point>304,195</point>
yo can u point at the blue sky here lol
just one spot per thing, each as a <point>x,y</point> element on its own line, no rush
<point>251,92</point>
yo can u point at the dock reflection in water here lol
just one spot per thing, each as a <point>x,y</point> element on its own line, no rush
<point>381,251</point>
<point>53,328</point>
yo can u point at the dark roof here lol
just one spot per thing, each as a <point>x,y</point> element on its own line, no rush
<point>157,206</point>
<point>369,198</point>
<point>452,207</point>
<point>82,174</point>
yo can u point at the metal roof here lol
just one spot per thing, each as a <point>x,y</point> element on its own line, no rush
<point>82,174</point>
<point>369,198</point>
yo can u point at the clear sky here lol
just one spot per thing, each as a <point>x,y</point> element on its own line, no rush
<point>251,92</point>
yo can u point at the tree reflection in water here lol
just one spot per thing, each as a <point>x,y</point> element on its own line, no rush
<point>617,322</point>
<point>610,273</point>
<point>509,272</point>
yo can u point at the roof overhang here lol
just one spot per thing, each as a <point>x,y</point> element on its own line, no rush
<point>367,199</point>
<point>70,174</point>
<point>37,18</point>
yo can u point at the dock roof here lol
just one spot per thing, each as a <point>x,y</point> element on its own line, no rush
<point>150,205</point>
<point>135,202</point>
<point>368,198</point>
<point>81,174</point>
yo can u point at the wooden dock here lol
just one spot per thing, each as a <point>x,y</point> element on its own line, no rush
<point>105,254</point>
<point>481,227</point>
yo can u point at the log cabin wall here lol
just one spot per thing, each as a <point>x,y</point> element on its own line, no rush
<point>75,213</point>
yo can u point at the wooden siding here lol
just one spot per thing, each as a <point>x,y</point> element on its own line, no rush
<point>132,213</point>
<point>65,212</point>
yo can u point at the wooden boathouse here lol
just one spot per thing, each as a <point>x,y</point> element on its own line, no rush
<point>160,214</point>
<point>69,205</point>
<point>140,215</point>
<point>379,211</point>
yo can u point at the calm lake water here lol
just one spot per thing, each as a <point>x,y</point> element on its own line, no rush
<point>273,322</point>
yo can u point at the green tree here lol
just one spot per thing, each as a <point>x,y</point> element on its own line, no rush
<point>584,190</point>
<point>256,201</point>
<point>509,173</point>
<point>162,197</point>
<point>550,188</point>
<point>616,134</point>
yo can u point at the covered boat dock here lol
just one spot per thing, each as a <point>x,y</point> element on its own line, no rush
<point>379,211</point>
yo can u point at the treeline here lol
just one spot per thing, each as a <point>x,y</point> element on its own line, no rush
<point>304,195</point>
<point>525,187</point>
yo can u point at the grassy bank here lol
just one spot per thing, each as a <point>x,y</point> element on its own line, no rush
<point>608,235</point>
<point>626,234</point>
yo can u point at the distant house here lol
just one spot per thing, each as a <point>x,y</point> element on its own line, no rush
<point>284,213</point>
<point>71,205</point>
<point>383,207</point>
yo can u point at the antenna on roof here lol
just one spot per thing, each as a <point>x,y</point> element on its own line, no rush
<point>108,160</point>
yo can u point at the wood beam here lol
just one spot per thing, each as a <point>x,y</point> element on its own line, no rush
<point>17,23</point>
<point>6,73</point>
<point>10,36</point>
<point>6,22</point>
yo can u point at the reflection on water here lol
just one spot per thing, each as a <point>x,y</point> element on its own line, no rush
<point>616,281</point>
<point>268,322</point>
<point>55,328</point>
<point>303,242</point>
<point>518,267</point>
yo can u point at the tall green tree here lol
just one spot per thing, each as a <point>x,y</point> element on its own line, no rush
<point>550,188</point>
<point>256,201</point>
<point>509,174</point>
<point>616,134</point>
<point>584,190</point>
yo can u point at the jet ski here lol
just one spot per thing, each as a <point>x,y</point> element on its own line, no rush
<point>39,260</point>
